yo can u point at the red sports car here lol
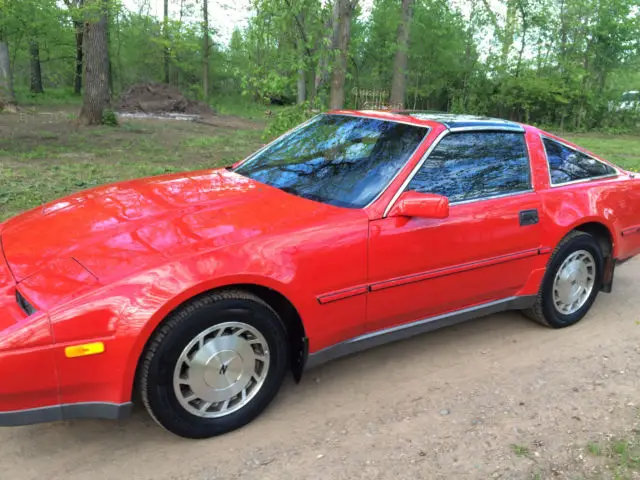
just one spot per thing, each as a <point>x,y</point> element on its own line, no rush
<point>197,292</point>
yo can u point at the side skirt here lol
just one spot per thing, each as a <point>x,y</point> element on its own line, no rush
<point>401,332</point>
<point>110,411</point>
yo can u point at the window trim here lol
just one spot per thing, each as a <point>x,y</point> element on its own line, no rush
<point>432,147</point>
<point>488,128</point>
<point>573,149</point>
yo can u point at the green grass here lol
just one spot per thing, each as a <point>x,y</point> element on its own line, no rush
<point>520,450</point>
<point>43,159</point>
<point>50,97</point>
<point>594,449</point>
<point>240,106</point>
<point>621,455</point>
<point>623,150</point>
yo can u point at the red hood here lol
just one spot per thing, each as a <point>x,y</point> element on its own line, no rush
<point>118,229</point>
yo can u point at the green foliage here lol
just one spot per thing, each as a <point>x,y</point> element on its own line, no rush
<point>555,63</point>
<point>51,96</point>
<point>109,118</point>
<point>288,118</point>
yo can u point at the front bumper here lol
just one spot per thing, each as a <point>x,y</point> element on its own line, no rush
<point>27,364</point>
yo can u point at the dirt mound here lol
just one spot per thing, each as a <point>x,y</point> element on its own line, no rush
<point>159,98</point>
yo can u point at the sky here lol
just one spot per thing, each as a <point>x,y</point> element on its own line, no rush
<point>224,15</point>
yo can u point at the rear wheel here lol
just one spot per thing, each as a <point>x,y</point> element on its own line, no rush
<point>214,364</point>
<point>572,282</point>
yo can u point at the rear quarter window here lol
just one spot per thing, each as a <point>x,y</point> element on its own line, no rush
<point>569,165</point>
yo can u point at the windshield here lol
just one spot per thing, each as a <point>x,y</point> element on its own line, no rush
<point>336,159</point>
<point>631,97</point>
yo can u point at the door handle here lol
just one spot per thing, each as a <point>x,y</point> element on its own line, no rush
<point>528,217</point>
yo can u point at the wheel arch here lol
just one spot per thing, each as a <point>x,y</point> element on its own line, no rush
<point>274,298</point>
<point>605,238</point>
<point>602,233</point>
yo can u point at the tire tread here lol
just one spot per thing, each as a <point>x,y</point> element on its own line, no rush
<point>536,312</point>
<point>172,321</point>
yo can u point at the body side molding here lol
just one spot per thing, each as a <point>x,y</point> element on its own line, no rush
<point>429,274</point>
<point>402,332</point>
<point>630,230</point>
<point>464,267</point>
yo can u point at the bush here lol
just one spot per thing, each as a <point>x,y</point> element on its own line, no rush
<point>109,118</point>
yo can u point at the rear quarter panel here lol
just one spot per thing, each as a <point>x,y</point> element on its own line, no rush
<point>613,202</point>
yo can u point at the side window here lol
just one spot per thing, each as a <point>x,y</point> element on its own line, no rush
<point>568,165</point>
<point>475,165</point>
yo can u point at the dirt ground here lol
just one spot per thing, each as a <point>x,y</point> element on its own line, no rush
<point>499,397</point>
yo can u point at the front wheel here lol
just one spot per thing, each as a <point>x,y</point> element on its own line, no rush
<point>572,282</point>
<point>214,364</point>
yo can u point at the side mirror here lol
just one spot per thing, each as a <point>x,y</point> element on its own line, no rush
<point>422,205</point>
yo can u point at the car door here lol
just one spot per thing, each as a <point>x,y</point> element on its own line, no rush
<point>482,252</point>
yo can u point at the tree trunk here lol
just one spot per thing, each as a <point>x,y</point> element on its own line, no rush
<point>303,53</point>
<point>399,81</point>
<point>509,31</point>
<point>96,96</point>
<point>36,71</point>
<point>342,11</point>
<point>165,28</point>
<point>302,86</point>
<point>7,96</point>
<point>525,26</point>
<point>311,86</point>
<point>205,34</point>
<point>322,72</point>
<point>77,84</point>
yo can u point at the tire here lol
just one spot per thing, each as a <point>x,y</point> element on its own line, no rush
<point>222,347</point>
<point>545,309</point>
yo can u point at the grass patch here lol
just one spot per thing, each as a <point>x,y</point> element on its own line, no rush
<point>44,157</point>
<point>622,456</point>
<point>594,449</point>
<point>240,106</point>
<point>520,450</point>
<point>50,97</point>
<point>623,150</point>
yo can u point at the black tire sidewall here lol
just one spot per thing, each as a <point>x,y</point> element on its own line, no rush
<point>161,397</point>
<point>552,316</point>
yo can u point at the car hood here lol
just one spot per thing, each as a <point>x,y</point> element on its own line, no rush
<point>118,229</point>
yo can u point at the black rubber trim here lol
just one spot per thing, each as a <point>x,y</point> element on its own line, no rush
<point>109,411</point>
<point>401,332</point>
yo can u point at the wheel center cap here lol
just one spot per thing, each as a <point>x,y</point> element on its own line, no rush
<point>223,369</point>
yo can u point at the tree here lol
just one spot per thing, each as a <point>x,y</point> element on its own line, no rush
<point>399,82</point>
<point>96,97</point>
<point>75,11</point>
<point>342,12</point>
<point>165,31</point>
<point>206,50</point>
<point>7,95</point>
<point>36,71</point>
